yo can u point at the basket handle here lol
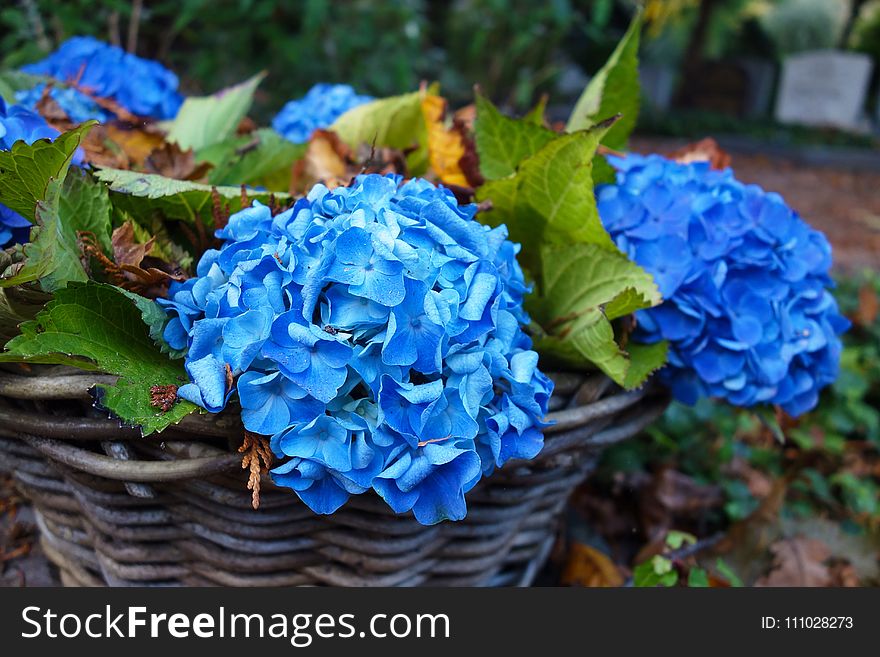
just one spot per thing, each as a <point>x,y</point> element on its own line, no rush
<point>131,471</point>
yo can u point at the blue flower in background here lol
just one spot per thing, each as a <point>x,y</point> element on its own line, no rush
<point>747,311</point>
<point>319,108</point>
<point>142,86</point>
<point>78,107</point>
<point>375,333</point>
<point>18,123</point>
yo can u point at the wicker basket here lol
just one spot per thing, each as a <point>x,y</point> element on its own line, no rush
<point>117,509</point>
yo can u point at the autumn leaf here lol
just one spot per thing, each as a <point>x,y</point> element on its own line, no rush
<point>446,145</point>
<point>587,566</point>
<point>171,161</point>
<point>332,162</point>
<point>705,150</point>
<point>136,143</point>
<point>133,268</point>
<point>798,561</point>
<point>327,160</point>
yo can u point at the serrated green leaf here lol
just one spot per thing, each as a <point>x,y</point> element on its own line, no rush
<point>644,360</point>
<point>97,327</point>
<point>613,90</point>
<point>143,195</point>
<point>579,283</point>
<point>263,158</point>
<point>53,254</point>
<point>26,170</point>
<point>503,142</point>
<point>536,114</point>
<point>207,120</point>
<point>550,198</point>
<point>155,318</point>
<point>395,122</point>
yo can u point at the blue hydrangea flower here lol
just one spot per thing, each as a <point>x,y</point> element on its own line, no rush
<point>375,333</point>
<point>747,311</point>
<point>78,107</point>
<point>319,108</point>
<point>18,123</point>
<point>142,86</point>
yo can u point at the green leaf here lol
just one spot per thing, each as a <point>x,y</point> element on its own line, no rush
<point>603,173</point>
<point>98,328</point>
<point>503,142</point>
<point>698,578</point>
<point>644,360</point>
<point>657,571</point>
<point>142,195</point>
<point>536,114</point>
<point>395,122</point>
<point>727,572</point>
<point>12,81</point>
<point>614,89</point>
<point>263,158</point>
<point>18,305</point>
<point>207,120</point>
<point>550,199</point>
<point>580,282</point>
<point>155,318</point>
<point>26,170</point>
<point>53,254</point>
<point>675,539</point>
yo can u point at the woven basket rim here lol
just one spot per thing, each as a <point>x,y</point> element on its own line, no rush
<point>55,436</point>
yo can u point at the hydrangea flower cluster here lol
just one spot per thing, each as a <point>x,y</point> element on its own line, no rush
<point>142,86</point>
<point>78,107</point>
<point>747,310</point>
<point>319,108</point>
<point>374,332</point>
<point>18,123</point>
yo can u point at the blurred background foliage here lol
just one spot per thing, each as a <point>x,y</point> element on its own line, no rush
<point>704,470</point>
<point>516,50</point>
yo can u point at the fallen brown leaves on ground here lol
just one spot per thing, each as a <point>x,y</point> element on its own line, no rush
<point>587,566</point>
<point>170,161</point>
<point>798,561</point>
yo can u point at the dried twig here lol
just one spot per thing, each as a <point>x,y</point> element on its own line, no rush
<point>257,460</point>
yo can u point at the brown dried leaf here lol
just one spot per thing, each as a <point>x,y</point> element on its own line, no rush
<point>257,460</point>
<point>132,267</point>
<point>587,566</point>
<point>136,142</point>
<point>328,160</point>
<point>798,561</point>
<point>705,150</point>
<point>170,161</point>
<point>760,484</point>
<point>51,110</point>
<point>843,574</point>
<point>672,496</point>
<point>126,250</point>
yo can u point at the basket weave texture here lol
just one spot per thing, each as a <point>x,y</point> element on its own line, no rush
<point>117,509</point>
